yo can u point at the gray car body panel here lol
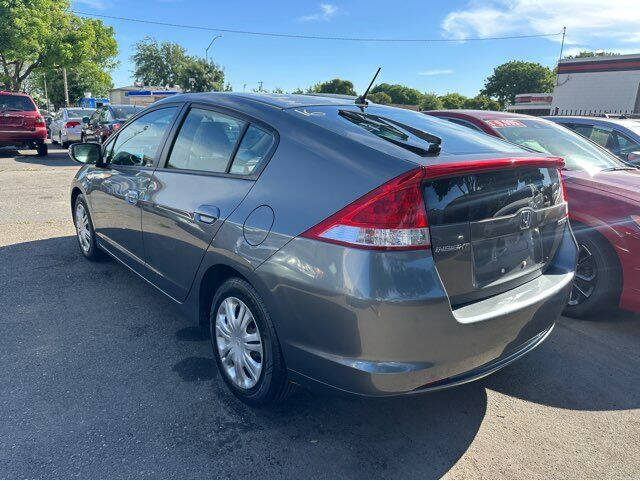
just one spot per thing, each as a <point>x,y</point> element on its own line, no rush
<point>365,322</point>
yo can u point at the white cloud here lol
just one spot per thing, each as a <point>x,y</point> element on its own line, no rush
<point>584,19</point>
<point>445,71</point>
<point>97,4</point>
<point>327,11</point>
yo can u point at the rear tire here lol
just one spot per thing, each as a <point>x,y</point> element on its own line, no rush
<point>271,385</point>
<point>598,280</point>
<point>42,149</point>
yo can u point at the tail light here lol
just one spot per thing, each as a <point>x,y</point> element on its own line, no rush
<point>39,121</point>
<point>116,126</point>
<point>391,217</point>
<point>394,217</point>
<point>71,124</point>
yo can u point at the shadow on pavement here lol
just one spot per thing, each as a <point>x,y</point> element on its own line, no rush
<point>102,377</point>
<point>55,158</point>
<point>584,365</point>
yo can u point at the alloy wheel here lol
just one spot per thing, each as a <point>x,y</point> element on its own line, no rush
<point>82,227</point>
<point>584,281</point>
<point>239,343</point>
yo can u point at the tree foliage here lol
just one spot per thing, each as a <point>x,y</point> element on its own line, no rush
<point>430,101</point>
<point>379,98</point>
<point>44,34</point>
<point>453,100</point>
<point>399,94</point>
<point>482,102</point>
<point>168,63</point>
<point>590,53</point>
<point>516,77</point>
<point>335,86</point>
<point>86,77</point>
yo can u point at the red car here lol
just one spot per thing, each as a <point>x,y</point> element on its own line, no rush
<point>21,125</point>
<point>604,205</point>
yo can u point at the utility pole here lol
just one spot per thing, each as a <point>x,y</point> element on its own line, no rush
<point>206,50</point>
<point>46,96</point>
<point>244,87</point>
<point>260,86</point>
<point>66,87</point>
<point>564,33</point>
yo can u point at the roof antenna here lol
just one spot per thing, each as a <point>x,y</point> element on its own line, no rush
<point>363,98</point>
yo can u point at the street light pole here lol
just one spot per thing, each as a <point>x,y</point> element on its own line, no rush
<point>206,51</point>
<point>66,87</point>
<point>46,96</point>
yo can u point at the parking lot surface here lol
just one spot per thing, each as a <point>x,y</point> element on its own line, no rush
<point>102,377</point>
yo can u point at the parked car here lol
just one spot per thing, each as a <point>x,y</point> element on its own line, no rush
<point>106,120</point>
<point>621,137</point>
<point>48,118</point>
<point>67,125</point>
<point>604,206</point>
<point>368,248</point>
<point>21,125</point>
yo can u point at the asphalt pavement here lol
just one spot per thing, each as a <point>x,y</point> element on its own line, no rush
<point>102,377</point>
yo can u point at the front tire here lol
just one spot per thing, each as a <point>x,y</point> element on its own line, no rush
<point>598,280</point>
<point>84,229</point>
<point>245,345</point>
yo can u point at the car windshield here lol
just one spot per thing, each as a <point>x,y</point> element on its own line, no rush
<point>550,138</point>
<point>79,113</point>
<point>16,103</point>
<point>125,112</point>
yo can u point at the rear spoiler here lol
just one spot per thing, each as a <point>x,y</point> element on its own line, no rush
<point>447,169</point>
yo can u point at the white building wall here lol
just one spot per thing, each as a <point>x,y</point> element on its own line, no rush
<point>595,92</point>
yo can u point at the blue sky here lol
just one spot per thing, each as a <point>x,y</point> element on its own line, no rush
<point>459,66</point>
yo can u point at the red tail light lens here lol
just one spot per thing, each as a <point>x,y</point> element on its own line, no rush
<point>39,120</point>
<point>391,217</point>
<point>71,124</point>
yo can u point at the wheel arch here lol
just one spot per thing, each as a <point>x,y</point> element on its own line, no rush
<point>210,281</point>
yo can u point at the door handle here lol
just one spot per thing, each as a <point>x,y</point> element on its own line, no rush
<point>207,214</point>
<point>132,196</point>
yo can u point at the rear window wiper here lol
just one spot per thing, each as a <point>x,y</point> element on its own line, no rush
<point>394,132</point>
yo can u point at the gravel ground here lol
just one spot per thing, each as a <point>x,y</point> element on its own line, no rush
<point>103,378</point>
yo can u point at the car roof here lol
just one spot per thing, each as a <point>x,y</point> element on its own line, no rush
<point>21,94</point>
<point>480,114</point>
<point>600,120</point>
<point>281,101</point>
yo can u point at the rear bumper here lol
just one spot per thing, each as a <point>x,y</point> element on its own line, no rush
<point>380,324</point>
<point>17,138</point>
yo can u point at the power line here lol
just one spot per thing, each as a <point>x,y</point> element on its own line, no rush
<point>315,37</point>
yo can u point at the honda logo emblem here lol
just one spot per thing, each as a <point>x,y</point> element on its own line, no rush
<point>525,218</point>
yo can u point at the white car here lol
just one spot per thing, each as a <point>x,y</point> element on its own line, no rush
<point>66,126</point>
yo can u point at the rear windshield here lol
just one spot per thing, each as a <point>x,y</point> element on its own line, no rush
<point>16,103</point>
<point>79,113</point>
<point>550,138</point>
<point>125,112</point>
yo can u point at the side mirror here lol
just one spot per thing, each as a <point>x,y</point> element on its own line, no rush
<point>633,158</point>
<point>85,119</point>
<point>86,153</point>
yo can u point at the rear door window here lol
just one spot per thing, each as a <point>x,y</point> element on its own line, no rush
<point>206,142</point>
<point>254,147</point>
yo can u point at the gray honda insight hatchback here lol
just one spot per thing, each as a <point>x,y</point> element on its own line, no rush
<point>371,249</point>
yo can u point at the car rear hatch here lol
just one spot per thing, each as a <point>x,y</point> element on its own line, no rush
<point>494,224</point>
<point>17,113</point>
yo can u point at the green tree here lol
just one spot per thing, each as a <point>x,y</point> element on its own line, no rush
<point>517,77</point>
<point>335,86</point>
<point>482,102</point>
<point>590,53</point>
<point>167,63</point>
<point>44,34</point>
<point>379,98</point>
<point>453,100</point>
<point>399,93</point>
<point>430,101</point>
<point>298,91</point>
<point>86,77</point>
